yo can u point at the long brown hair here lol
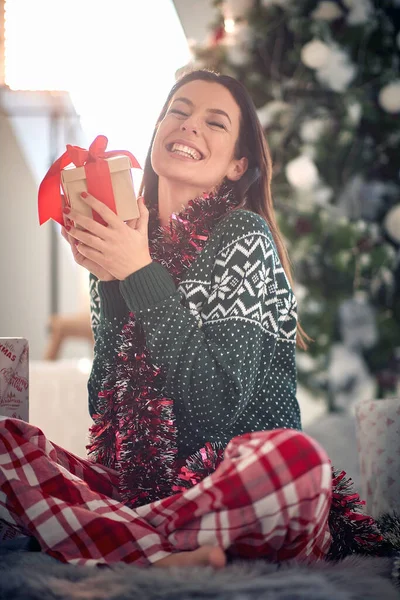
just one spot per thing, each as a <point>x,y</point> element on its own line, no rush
<point>254,187</point>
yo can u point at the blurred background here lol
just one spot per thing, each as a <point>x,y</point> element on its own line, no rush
<point>325,78</point>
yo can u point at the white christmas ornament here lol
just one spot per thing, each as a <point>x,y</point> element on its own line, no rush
<point>348,377</point>
<point>268,113</point>
<point>357,321</point>
<point>312,129</point>
<point>392,223</point>
<point>268,3</point>
<point>309,150</point>
<point>337,71</point>
<point>354,112</point>
<point>389,97</point>
<point>360,11</point>
<point>302,173</point>
<point>236,9</point>
<point>237,56</point>
<point>327,11</point>
<point>315,54</point>
<point>322,195</point>
<point>365,260</point>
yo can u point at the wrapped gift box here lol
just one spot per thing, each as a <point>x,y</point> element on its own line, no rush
<point>73,181</point>
<point>14,378</point>
<point>14,400</point>
<point>378,435</point>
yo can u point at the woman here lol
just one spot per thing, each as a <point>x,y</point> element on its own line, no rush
<point>194,351</point>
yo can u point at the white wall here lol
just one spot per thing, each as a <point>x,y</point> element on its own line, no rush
<point>24,245</point>
<point>196,17</point>
<point>24,262</point>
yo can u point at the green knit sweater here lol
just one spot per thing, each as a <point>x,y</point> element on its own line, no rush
<point>226,335</point>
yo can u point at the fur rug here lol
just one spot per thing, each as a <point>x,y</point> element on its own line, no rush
<point>36,576</point>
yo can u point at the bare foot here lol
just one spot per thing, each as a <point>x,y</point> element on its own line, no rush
<point>212,556</point>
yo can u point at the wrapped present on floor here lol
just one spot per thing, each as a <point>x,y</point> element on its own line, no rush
<point>14,399</point>
<point>14,378</point>
<point>378,435</point>
<point>106,175</point>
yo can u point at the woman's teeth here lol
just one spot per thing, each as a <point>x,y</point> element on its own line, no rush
<point>185,151</point>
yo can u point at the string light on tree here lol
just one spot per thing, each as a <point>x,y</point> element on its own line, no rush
<point>229,25</point>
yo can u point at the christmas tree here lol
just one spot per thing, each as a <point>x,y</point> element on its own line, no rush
<point>325,78</point>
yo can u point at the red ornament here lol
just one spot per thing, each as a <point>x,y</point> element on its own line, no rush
<point>303,226</point>
<point>218,35</point>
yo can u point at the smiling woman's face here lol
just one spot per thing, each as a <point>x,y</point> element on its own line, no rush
<point>195,142</point>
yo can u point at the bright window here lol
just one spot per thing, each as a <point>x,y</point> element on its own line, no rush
<point>116,58</point>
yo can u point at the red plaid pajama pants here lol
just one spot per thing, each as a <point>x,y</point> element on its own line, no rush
<point>269,498</point>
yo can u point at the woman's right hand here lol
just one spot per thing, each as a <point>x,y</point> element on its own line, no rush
<point>81,260</point>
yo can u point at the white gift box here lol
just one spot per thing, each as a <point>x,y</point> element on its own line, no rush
<point>14,401</point>
<point>378,434</point>
<point>14,378</point>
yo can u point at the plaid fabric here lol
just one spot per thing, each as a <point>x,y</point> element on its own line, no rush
<point>269,498</point>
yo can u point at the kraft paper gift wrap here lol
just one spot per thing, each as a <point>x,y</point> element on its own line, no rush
<point>106,175</point>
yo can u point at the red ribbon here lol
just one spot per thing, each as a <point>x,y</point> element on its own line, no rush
<point>97,177</point>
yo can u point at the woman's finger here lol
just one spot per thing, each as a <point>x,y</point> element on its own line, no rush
<point>104,211</point>
<point>90,253</point>
<point>143,225</point>
<point>132,223</point>
<point>86,238</point>
<point>86,223</point>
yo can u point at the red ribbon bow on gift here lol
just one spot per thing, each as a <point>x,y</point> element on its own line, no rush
<point>97,172</point>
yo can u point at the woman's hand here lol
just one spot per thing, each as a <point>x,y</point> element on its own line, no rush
<point>81,260</point>
<point>119,248</point>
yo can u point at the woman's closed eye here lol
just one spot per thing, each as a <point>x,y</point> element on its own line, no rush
<point>176,111</point>
<point>215,124</point>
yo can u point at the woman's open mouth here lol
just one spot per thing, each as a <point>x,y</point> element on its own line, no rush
<point>185,151</point>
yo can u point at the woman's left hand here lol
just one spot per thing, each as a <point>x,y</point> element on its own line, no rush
<point>121,248</point>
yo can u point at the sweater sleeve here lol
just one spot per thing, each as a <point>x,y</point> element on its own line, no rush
<point>214,362</point>
<point>109,313</point>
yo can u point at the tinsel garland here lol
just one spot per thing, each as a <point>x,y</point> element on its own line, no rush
<point>134,431</point>
<point>352,531</point>
<point>198,466</point>
<point>389,524</point>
